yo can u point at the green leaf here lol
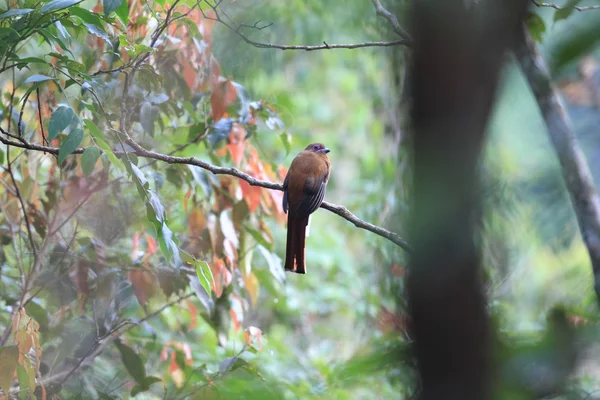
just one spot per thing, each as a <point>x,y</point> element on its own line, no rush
<point>9,358</point>
<point>98,136</point>
<point>205,275</point>
<point>536,26</point>
<point>286,138</point>
<point>111,5</point>
<point>123,12</point>
<point>133,363</point>
<point>70,144</point>
<point>96,31</point>
<point>38,78</point>
<point>1,157</point>
<point>87,16</point>
<point>59,5</point>
<point>60,119</point>
<point>16,12</point>
<point>39,314</point>
<point>260,239</point>
<point>88,160</point>
<point>566,10</point>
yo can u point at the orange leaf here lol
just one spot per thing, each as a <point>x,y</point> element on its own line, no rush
<point>251,195</point>
<point>24,340</point>
<point>143,284</point>
<point>252,286</point>
<point>234,319</point>
<point>252,333</point>
<point>186,199</point>
<point>151,245</point>
<point>197,222</point>
<point>236,143</point>
<point>193,314</point>
<point>189,73</point>
<point>222,91</point>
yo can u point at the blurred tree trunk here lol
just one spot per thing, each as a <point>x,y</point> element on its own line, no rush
<point>458,53</point>
<point>575,169</point>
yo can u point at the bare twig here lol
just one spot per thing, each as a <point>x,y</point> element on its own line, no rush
<point>101,342</point>
<point>383,12</point>
<point>39,104</point>
<point>20,197</point>
<point>325,46</point>
<point>142,152</point>
<point>557,7</point>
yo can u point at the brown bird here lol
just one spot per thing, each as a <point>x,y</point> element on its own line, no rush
<point>303,192</point>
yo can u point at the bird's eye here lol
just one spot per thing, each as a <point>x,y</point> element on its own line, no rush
<point>316,147</point>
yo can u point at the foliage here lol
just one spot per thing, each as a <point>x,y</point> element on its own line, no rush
<point>103,246</point>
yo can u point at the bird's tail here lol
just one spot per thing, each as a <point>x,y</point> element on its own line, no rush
<point>295,247</point>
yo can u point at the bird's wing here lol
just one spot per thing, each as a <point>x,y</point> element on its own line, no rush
<point>314,192</point>
<point>284,203</point>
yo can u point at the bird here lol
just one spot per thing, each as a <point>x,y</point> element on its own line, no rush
<point>303,192</point>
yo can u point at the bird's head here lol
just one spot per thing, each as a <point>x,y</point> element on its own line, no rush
<point>317,148</point>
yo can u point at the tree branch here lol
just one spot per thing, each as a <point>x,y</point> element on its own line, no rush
<point>149,154</point>
<point>557,7</point>
<point>383,12</point>
<point>575,170</point>
<point>325,46</point>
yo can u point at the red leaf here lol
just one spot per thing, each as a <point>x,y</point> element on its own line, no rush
<point>234,319</point>
<point>189,73</point>
<point>197,222</point>
<point>236,143</point>
<point>143,284</point>
<point>251,195</point>
<point>222,91</point>
<point>151,245</point>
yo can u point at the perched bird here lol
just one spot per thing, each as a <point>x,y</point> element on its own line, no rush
<point>303,192</point>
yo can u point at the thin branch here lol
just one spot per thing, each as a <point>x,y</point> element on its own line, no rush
<point>324,46</point>
<point>383,12</point>
<point>18,192</point>
<point>142,152</point>
<point>101,342</point>
<point>39,104</point>
<point>557,7</point>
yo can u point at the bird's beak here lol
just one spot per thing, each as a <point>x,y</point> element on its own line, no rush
<point>326,150</point>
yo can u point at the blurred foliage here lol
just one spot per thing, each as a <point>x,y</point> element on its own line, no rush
<point>164,281</point>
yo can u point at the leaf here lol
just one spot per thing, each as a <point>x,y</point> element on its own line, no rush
<point>58,5</point>
<point>88,160</point>
<point>565,10</point>
<point>205,275</point>
<point>123,12</point>
<point>111,5</point>
<point>60,119</point>
<point>16,12</point>
<point>96,31</point>
<point>220,131</point>
<point>132,362</point>
<point>143,284</point>
<point>98,136</point>
<point>87,16</point>
<point>228,228</point>
<point>9,358</point>
<point>38,78</point>
<point>286,139</point>
<point>70,144</point>
<point>62,31</point>
<point>232,363</point>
